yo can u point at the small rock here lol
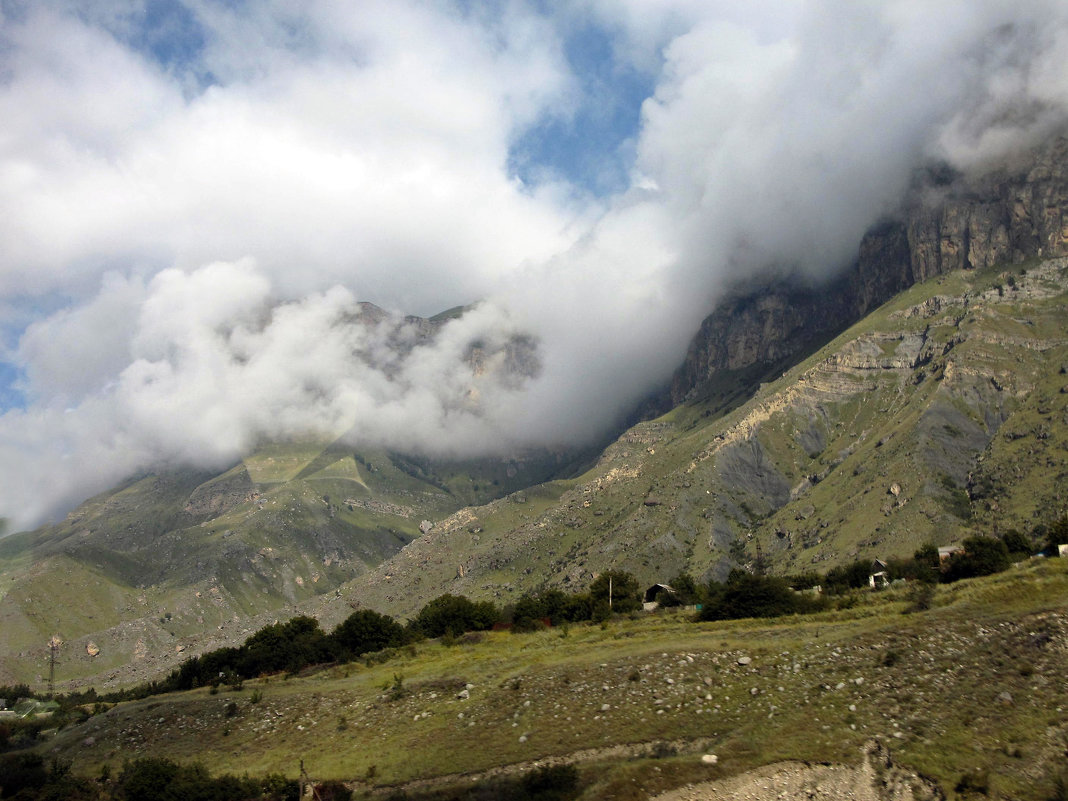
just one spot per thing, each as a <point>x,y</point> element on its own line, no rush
<point>744,660</point>
<point>91,648</point>
<point>463,695</point>
<point>709,759</point>
<point>605,707</point>
<point>1005,698</point>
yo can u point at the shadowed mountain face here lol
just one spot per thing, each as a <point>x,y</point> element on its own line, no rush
<point>793,446</point>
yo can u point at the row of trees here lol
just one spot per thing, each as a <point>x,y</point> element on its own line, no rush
<point>27,777</point>
<point>301,642</point>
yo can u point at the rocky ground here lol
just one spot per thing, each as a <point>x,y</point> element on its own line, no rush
<point>875,779</point>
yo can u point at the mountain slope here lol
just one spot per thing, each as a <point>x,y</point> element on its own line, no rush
<point>187,559</point>
<point>866,449</point>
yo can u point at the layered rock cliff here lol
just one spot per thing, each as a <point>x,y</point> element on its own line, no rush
<point>948,221</point>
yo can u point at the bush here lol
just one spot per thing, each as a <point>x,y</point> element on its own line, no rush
<point>747,595</point>
<point>159,779</point>
<point>1017,544</point>
<point>551,783</point>
<point>364,631</point>
<point>975,781</point>
<point>332,791</point>
<point>454,614</point>
<point>1057,534</point>
<point>983,556</point>
<point>624,589</point>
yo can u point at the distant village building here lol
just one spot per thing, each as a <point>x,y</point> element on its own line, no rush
<point>880,575</point>
<point>652,598</point>
<point>946,551</point>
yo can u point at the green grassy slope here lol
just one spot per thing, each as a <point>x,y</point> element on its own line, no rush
<point>187,560</point>
<point>974,681</point>
<point>871,447</point>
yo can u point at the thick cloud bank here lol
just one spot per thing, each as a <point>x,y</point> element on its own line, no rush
<point>194,201</point>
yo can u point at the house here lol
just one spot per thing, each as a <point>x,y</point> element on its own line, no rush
<point>946,551</point>
<point>879,576</point>
<point>652,596</point>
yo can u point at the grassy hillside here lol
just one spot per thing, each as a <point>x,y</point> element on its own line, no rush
<point>973,682</point>
<point>189,560</point>
<point>938,416</point>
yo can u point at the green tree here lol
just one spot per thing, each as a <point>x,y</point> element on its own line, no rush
<point>845,577</point>
<point>1057,534</point>
<point>292,645</point>
<point>625,593</point>
<point>1017,544</point>
<point>982,556</point>
<point>748,595</point>
<point>453,615</point>
<point>364,631</point>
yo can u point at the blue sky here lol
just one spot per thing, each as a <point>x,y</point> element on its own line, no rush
<point>194,196</point>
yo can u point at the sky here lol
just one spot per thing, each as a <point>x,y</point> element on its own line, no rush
<point>196,195</point>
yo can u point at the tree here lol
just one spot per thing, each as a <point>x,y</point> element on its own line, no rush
<point>1017,544</point>
<point>366,630</point>
<point>748,595</point>
<point>454,614</point>
<point>1057,534</point>
<point>846,577</point>
<point>285,646</point>
<point>686,590</point>
<point>625,593</point>
<point>982,556</point>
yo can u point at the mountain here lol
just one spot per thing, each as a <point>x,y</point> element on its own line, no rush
<point>948,221</point>
<point>919,397</point>
<point>183,558</point>
<point>942,414</point>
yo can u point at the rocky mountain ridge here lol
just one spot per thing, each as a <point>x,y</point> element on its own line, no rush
<point>948,221</point>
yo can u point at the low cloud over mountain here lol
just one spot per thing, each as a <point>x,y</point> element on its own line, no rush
<point>195,199</point>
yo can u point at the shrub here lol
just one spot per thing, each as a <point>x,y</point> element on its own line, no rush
<point>551,783</point>
<point>454,614</point>
<point>618,590</point>
<point>974,781</point>
<point>364,631</point>
<point>332,791</point>
<point>982,556</point>
<point>921,597</point>
<point>1017,544</point>
<point>747,595</point>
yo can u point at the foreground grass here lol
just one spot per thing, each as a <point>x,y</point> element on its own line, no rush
<point>976,681</point>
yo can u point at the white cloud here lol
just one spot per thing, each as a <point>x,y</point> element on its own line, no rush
<point>214,224</point>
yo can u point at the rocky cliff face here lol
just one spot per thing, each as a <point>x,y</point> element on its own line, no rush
<point>947,222</point>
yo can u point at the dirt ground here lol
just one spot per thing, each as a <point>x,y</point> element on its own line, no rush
<point>875,779</point>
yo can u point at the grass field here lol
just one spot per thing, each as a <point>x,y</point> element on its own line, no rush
<point>976,681</point>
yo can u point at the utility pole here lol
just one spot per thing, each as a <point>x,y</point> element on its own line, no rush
<point>53,652</point>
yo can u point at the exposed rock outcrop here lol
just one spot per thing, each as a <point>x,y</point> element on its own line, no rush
<point>947,222</point>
